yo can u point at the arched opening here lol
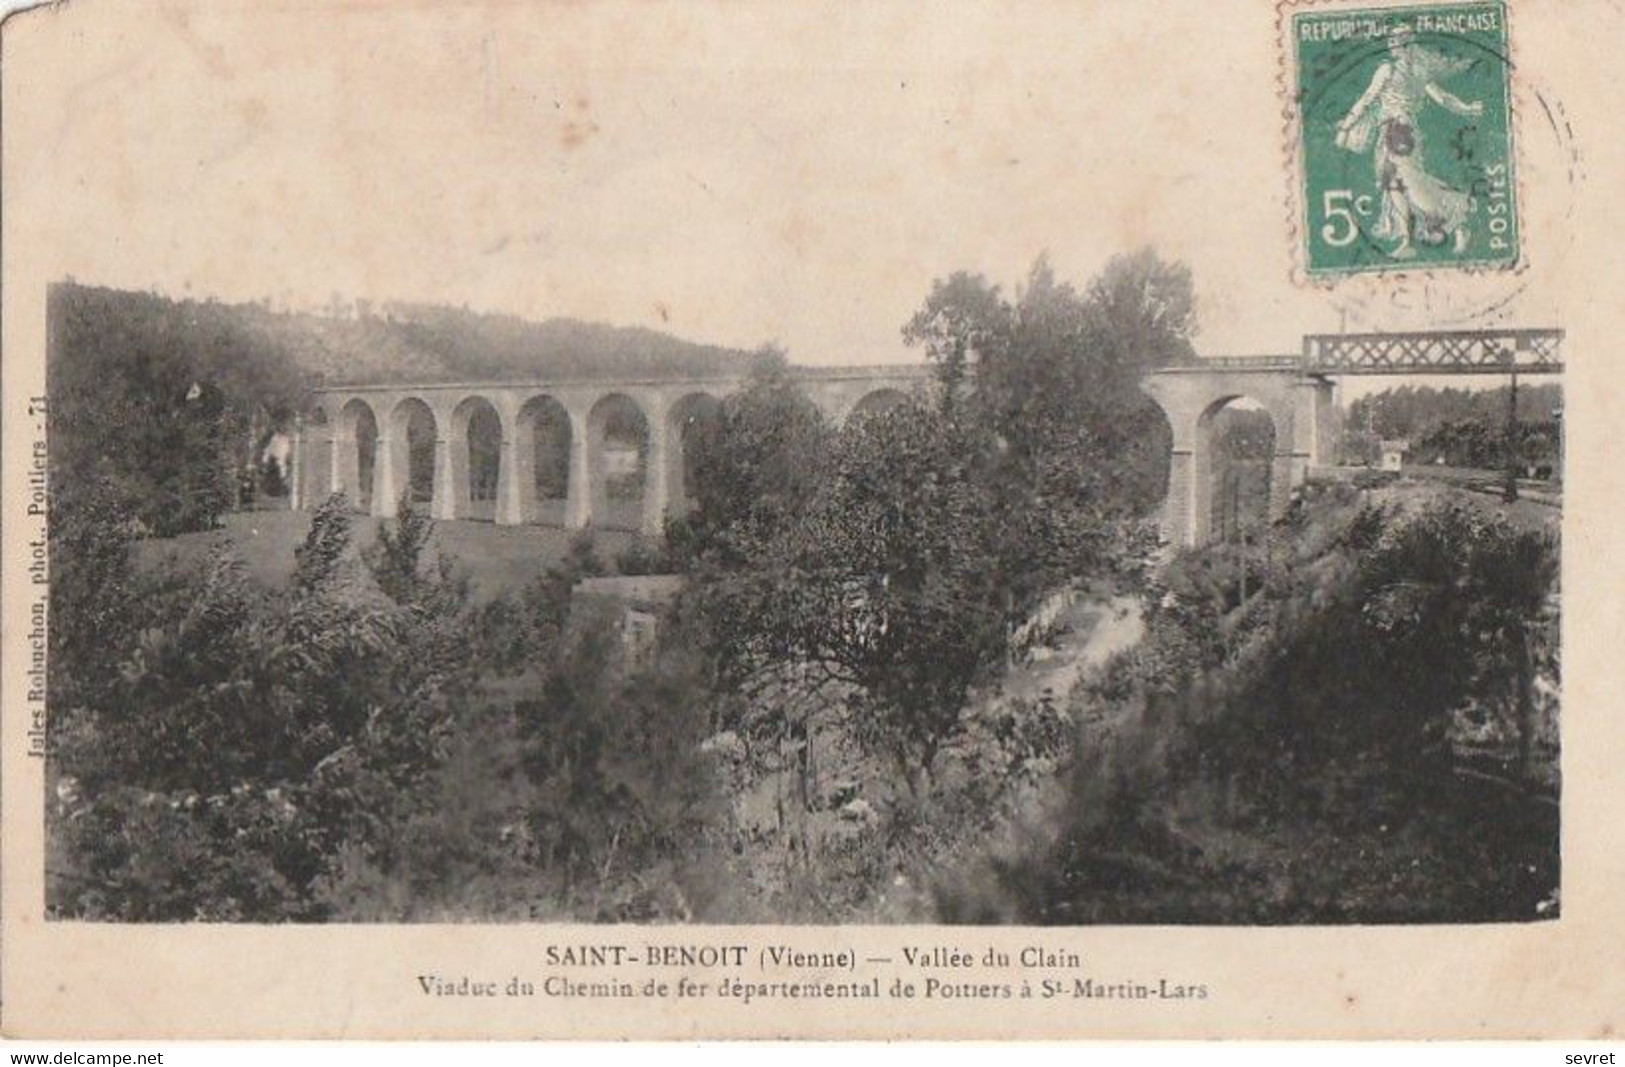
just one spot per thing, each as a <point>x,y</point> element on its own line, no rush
<point>1146,454</point>
<point>1235,453</point>
<point>358,428</point>
<point>544,448</point>
<point>696,427</point>
<point>412,433</point>
<point>617,461</point>
<point>877,401</point>
<point>476,446</point>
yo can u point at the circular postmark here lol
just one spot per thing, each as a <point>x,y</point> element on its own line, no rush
<point>1410,186</point>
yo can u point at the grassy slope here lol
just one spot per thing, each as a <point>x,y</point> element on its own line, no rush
<point>497,558</point>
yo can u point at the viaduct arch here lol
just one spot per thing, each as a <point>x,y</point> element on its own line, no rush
<point>1300,408</point>
<point>564,450</point>
<point>1297,392</point>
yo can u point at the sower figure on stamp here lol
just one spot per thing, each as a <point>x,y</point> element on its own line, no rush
<point>1414,202</point>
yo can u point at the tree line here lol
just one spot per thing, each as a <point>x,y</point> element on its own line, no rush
<point>1458,427</point>
<point>819,721</point>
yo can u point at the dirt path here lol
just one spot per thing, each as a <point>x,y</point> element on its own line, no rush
<point>1098,630</point>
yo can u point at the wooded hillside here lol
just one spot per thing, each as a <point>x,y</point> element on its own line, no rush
<point>362,342</point>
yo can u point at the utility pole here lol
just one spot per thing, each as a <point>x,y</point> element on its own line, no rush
<point>1511,492</point>
<point>1234,473</point>
<point>1237,529</point>
<point>1557,469</point>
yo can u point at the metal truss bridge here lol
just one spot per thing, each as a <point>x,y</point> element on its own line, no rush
<point>1537,351</point>
<point>1442,352</point>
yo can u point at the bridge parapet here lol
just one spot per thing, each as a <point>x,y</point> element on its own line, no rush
<point>888,373</point>
<point>1211,364</point>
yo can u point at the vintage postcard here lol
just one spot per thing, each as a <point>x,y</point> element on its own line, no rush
<point>1054,519</point>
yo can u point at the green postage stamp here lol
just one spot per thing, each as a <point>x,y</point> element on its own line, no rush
<point>1405,138</point>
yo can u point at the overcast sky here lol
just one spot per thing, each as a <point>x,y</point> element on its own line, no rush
<point>731,173</point>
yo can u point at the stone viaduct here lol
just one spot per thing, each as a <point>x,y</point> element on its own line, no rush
<point>352,427</point>
<point>349,423</point>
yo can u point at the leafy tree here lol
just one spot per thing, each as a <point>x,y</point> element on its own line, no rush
<point>963,323</point>
<point>1412,412</point>
<point>1057,373</point>
<point>1319,753</point>
<point>271,731</point>
<point>618,777</point>
<point>515,633</point>
<point>1142,313</point>
<point>95,598</point>
<point>271,483</point>
<point>399,564</point>
<point>756,471</point>
<point>325,545</point>
<point>1455,605</point>
<point>887,585</point>
<point>397,560</point>
<point>581,558</point>
<point>896,557</point>
<point>159,400</point>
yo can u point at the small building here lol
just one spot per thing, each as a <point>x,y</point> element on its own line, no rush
<point>636,602</point>
<point>1392,455</point>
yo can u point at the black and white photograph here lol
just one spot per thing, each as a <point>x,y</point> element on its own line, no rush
<point>386,610</point>
<point>1052,467</point>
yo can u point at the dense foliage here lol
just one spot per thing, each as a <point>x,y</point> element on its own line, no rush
<point>185,391</point>
<point>755,468</point>
<point>1486,443</point>
<point>885,582</point>
<point>1055,376</point>
<point>1410,412</point>
<point>897,557</point>
<point>362,743</point>
<point>1360,740</point>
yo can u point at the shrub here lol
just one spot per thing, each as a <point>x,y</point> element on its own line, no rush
<point>244,737</point>
<point>520,631</point>
<point>619,780</point>
<point>1374,479</point>
<point>581,557</point>
<point>642,558</point>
